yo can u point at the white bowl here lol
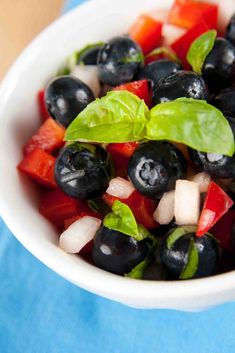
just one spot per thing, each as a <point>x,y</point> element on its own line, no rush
<point>92,21</point>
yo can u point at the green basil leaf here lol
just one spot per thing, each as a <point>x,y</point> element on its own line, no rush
<point>192,122</point>
<point>174,236</point>
<point>192,265</point>
<point>121,219</point>
<point>169,53</point>
<point>138,271</point>
<point>199,50</point>
<point>120,116</point>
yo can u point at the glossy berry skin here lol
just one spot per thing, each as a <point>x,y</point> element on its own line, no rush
<point>217,165</point>
<point>82,170</point>
<point>225,101</point>
<point>181,84</point>
<point>219,67</point>
<point>230,32</point>
<point>157,70</point>
<point>119,60</point>
<point>155,166</point>
<point>66,97</point>
<point>117,252</point>
<point>89,57</point>
<point>175,257</point>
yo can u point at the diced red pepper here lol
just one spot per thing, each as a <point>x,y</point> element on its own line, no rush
<point>223,231</point>
<point>139,88</point>
<point>48,137</point>
<point>181,45</point>
<point>125,149</point>
<point>56,206</point>
<point>71,220</point>
<point>120,153</point>
<point>42,106</point>
<point>216,204</point>
<point>187,13</point>
<point>147,32</point>
<point>142,208</point>
<point>39,165</point>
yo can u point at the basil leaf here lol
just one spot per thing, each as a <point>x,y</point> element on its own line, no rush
<point>199,50</point>
<point>121,219</point>
<point>192,122</point>
<point>174,236</point>
<point>191,267</point>
<point>169,53</point>
<point>120,116</point>
<point>138,271</point>
<point>81,52</point>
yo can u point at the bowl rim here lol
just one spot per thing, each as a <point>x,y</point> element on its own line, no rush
<point>91,277</point>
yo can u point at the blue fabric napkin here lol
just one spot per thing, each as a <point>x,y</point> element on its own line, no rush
<point>42,313</point>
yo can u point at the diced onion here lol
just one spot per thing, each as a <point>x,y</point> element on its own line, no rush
<point>165,210</point>
<point>79,233</point>
<point>202,179</point>
<point>187,202</point>
<point>160,15</point>
<point>120,187</point>
<point>171,33</point>
<point>89,75</point>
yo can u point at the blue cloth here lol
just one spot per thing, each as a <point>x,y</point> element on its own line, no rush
<point>42,313</point>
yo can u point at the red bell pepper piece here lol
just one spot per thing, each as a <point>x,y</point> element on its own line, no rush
<point>216,204</point>
<point>120,153</point>
<point>42,106</point>
<point>147,32</point>
<point>139,88</point>
<point>56,206</point>
<point>181,45</point>
<point>48,137</point>
<point>125,149</point>
<point>142,208</point>
<point>223,231</point>
<point>39,165</point>
<point>187,13</point>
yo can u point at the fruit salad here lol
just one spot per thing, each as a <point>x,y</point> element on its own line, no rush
<point>135,155</point>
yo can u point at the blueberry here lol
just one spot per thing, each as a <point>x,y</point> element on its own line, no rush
<point>225,101</point>
<point>219,67</point>
<point>215,164</point>
<point>66,97</point>
<point>230,31</point>
<point>155,166</point>
<point>181,84</point>
<point>158,70</point>
<point>175,256</point>
<point>90,56</point>
<point>119,60</point>
<point>117,252</point>
<point>82,170</point>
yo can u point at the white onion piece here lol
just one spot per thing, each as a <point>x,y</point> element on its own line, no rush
<point>79,233</point>
<point>165,210</point>
<point>160,15</point>
<point>187,202</point>
<point>202,179</point>
<point>226,10</point>
<point>89,75</point>
<point>120,187</point>
<point>171,33</point>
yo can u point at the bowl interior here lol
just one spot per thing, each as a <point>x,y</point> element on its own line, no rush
<point>91,22</point>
